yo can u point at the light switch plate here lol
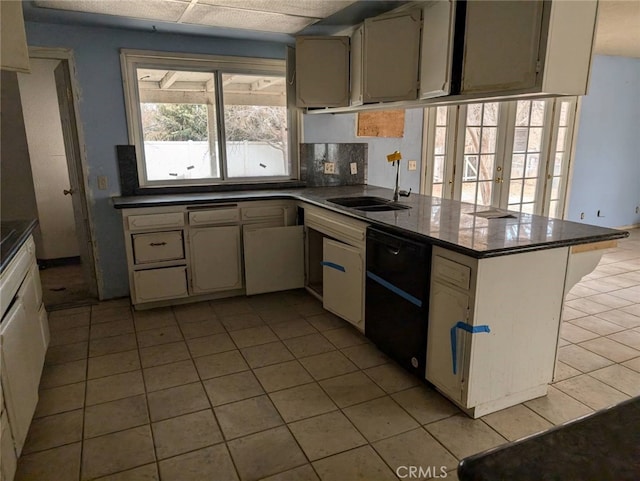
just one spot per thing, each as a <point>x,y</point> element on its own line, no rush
<point>103,182</point>
<point>329,167</point>
<point>354,168</point>
<point>412,165</point>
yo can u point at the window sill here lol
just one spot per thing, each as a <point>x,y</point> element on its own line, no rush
<point>195,189</point>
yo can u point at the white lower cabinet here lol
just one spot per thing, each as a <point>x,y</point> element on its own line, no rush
<point>493,326</point>
<point>160,284</point>
<point>273,258</point>
<point>342,280</point>
<point>448,306</point>
<point>216,259</point>
<point>20,374</point>
<point>7,452</point>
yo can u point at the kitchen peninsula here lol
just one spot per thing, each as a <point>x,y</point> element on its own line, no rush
<point>496,284</point>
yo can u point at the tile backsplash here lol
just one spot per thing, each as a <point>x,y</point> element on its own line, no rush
<point>314,156</point>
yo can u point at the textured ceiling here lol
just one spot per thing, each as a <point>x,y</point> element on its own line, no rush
<point>618,30</point>
<point>279,16</point>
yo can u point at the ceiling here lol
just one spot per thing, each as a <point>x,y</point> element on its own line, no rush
<point>618,30</point>
<point>276,20</point>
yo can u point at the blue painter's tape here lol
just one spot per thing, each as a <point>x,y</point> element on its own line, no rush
<point>333,265</point>
<point>394,289</point>
<point>454,339</point>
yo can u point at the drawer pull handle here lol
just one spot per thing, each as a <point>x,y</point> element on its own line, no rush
<point>157,244</point>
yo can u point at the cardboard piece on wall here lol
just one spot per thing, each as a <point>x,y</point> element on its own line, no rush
<point>385,123</point>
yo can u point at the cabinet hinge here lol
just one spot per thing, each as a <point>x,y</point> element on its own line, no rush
<point>538,66</point>
<point>468,314</point>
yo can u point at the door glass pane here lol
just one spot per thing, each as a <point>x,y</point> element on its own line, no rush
<point>440,140</point>
<point>529,190</point>
<point>532,166</point>
<point>562,132</point>
<point>438,169</point>
<point>178,124</point>
<point>522,112</point>
<point>436,190</point>
<point>472,140</point>
<point>517,166</point>
<point>557,165</point>
<point>468,192</point>
<point>515,191</point>
<point>537,113</point>
<point>555,188</point>
<point>489,140</point>
<point>474,114</point>
<point>527,208</point>
<point>442,114</point>
<point>486,170</point>
<point>553,208</point>
<point>520,138</point>
<point>535,139</point>
<point>484,193</point>
<point>255,123</point>
<point>490,115</point>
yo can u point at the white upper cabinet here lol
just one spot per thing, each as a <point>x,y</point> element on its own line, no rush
<point>391,52</point>
<point>527,46</point>
<point>436,51</point>
<point>14,54</point>
<point>322,70</point>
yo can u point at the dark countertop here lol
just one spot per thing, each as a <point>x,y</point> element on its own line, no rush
<point>13,234</point>
<point>447,223</point>
<point>604,446</point>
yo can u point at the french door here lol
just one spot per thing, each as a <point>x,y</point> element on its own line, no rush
<point>512,155</point>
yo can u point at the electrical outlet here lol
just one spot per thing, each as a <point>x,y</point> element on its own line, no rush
<point>354,168</point>
<point>103,182</point>
<point>329,167</point>
<point>412,165</point>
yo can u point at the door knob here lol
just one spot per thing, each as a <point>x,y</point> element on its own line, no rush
<point>68,192</point>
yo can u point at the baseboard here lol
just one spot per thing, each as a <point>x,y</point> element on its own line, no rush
<point>627,227</point>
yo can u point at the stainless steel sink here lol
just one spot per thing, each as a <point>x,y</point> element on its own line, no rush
<point>368,203</point>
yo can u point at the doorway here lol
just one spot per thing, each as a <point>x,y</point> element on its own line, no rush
<point>63,244</point>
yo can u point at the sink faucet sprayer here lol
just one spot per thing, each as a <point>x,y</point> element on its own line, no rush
<point>395,160</point>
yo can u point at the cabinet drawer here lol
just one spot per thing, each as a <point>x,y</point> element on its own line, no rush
<point>158,246</point>
<point>158,284</point>
<point>213,216</point>
<point>451,272</point>
<point>146,221</point>
<point>263,212</point>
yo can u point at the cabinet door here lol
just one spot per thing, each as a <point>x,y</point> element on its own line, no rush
<point>322,71</point>
<point>391,55</point>
<point>215,259</point>
<point>437,49</point>
<point>447,307</point>
<point>343,281</point>
<point>7,451</point>
<point>356,65</point>
<point>273,258</point>
<point>14,54</point>
<point>19,379</point>
<point>501,45</point>
<point>30,294</point>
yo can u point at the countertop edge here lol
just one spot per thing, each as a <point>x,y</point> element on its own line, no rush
<point>15,245</point>
<point>223,197</point>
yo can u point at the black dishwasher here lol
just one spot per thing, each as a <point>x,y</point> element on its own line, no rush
<point>397,297</point>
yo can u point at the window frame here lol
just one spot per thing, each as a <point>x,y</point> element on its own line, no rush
<point>218,65</point>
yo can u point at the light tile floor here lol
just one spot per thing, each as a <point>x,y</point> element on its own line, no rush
<point>274,387</point>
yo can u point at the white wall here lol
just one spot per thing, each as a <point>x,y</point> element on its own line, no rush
<point>48,160</point>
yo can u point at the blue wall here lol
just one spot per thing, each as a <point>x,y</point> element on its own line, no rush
<point>342,128</point>
<point>606,171</point>
<point>102,115</point>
